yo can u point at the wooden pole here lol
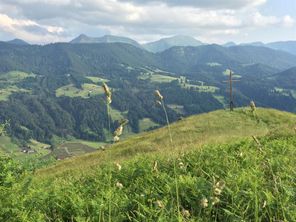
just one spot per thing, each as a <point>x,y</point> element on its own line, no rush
<point>231,105</point>
<point>230,81</point>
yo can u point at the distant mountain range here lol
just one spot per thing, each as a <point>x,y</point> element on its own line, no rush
<point>166,43</point>
<point>109,57</point>
<point>287,46</point>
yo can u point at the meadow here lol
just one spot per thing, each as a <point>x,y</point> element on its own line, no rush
<point>222,174</point>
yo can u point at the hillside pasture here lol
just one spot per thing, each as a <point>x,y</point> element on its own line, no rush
<point>86,90</point>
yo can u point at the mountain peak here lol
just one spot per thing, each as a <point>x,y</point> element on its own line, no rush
<point>104,39</point>
<point>166,43</point>
<point>18,42</point>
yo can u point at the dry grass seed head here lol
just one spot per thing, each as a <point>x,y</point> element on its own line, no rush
<point>123,122</point>
<point>159,204</point>
<point>118,166</point>
<point>185,213</point>
<point>158,95</point>
<point>118,131</point>
<point>253,106</point>
<point>119,185</point>
<point>108,93</point>
<point>116,139</point>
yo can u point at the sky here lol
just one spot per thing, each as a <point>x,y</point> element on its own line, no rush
<point>211,21</point>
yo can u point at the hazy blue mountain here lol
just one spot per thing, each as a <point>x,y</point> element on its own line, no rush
<point>166,43</point>
<point>286,79</point>
<point>113,58</point>
<point>253,44</point>
<point>258,70</point>
<point>229,44</point>
<point>288,46</point>
<point>18,42</point>
<point>105,39</point>
<point>191,59</point>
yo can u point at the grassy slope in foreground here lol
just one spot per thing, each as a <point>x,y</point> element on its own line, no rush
<point>259,180</point>
<point>189,134</point>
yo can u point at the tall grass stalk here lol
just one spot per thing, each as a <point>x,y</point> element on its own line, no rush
<point>160,100</point>
<point>108,95</point>
<point>168,123</point>
<point>110,196</point>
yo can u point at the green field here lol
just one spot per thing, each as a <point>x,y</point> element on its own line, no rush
<point>14,76</point>
<point>227,71</point>
<point>8,81</point>
<point>213,64</point>
<point>71,149</point>
<point>7,146</point>
<point>285,92</point>
<point>10,148</point>
<point>96,79</point>
<point>203,88</point>
<point>157,78</point>
<point>116,114</point>
<point>177,108</point>
<point>87,89</point>
<point>6,92</point>
<point>93,144</point>
<point>146,124</point>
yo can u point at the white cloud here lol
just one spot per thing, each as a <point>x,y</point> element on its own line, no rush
<point>62,19</point>
<point>288,21</point>
<point>29,30</point>
<point>213,4</point>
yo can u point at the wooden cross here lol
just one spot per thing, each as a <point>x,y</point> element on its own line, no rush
<point>230,81</point>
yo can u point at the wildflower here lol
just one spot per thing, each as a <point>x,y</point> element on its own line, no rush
<point>159,204</point>
<point>215,201</point>
<point>217,191</point>
<point>204,202</point>
<point>181,165</point>
<point>220,184</point>
<point>119,185</point>
<point>185,213</point>
<point>118,166</point>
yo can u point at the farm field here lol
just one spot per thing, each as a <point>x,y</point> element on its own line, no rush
<point>86,91</point>
<point>157,78</point>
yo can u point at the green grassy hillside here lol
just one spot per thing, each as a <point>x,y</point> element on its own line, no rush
<point>188,134</point>
<point>213,171</point>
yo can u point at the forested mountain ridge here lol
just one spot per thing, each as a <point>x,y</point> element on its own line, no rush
<point>55,90</point>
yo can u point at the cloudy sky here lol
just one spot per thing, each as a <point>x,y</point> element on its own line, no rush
<point>211,21</point>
